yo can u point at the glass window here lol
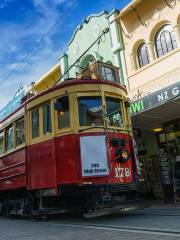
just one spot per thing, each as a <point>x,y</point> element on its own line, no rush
<point>165,40</point>
<point>47,126</point>
<point>90,111</point>
<point>63,113</point>
<point>9,138</point>
<point>114,114</point>
<point>108,74</point>
<point>1,142</point>
<point>143,55</point>
<point>35,122</point>
<point>20,132</point>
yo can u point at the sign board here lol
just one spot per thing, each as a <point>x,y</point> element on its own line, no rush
<point>94,156</point>
<point>155,99</point>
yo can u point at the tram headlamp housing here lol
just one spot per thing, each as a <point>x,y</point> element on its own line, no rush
<point>122,155</point>
<point>118,142</point>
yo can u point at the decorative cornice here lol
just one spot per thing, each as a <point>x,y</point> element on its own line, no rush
<point>86,21</point>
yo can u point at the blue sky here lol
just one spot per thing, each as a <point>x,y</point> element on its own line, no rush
<point>23,23</point>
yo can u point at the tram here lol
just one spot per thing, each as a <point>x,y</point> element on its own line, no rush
<point>70,149</point>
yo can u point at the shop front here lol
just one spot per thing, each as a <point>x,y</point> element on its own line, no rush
<point>156,123</point>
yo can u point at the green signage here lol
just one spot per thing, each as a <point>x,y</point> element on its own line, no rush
<point>137,107</point>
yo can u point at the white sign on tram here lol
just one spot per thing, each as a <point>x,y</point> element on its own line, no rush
<point>93,156</point>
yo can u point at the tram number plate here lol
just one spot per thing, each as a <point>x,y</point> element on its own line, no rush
<point>122,172</point>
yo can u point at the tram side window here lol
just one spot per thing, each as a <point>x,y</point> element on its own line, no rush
<point>63,112</point>
<point>1,142</point>
<point>47,125</point>
<point>20,132</point>
<point>9,137</point>
<point>90,111</point>
<point>35,122</point>
<point>114,114</point>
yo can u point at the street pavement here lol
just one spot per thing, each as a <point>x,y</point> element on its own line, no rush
<point>149,224</point>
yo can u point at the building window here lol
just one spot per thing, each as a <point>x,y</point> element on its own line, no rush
<point>165,40</point>
<point>90,111</point>
<point>47,125</point>
<point>35,122</point>
<point>1,142</point>
<point>114,114</point>
<point>63,112</point>
<point>143,55</point>
<point>20,132</point>
<point>9,137</point>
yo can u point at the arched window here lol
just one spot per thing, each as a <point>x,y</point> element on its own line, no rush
<point>165,40</point>
<point>143,55</point>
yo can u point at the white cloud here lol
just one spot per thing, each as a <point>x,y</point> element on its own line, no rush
<point>22,45</point>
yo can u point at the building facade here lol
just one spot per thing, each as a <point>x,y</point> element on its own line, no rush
<point>151,33</point>
<point>86,46</point>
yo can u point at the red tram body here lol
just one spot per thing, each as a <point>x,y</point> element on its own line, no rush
<point>70,148</point>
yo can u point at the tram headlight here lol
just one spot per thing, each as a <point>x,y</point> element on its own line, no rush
<point>122,155</point>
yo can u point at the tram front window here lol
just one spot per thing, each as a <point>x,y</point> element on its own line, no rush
<point>114,114</point>
<point>90,111</point>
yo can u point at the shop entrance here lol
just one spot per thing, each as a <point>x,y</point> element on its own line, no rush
<point>169,151</point>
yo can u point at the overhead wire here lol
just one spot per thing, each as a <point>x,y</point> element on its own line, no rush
<point>35,49</point>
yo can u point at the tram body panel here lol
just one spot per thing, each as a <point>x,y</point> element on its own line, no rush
<point>13,170</point>
<point>67,159</point>
<point>41,165</point>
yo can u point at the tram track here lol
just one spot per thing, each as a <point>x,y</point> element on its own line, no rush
<point>116,228</point>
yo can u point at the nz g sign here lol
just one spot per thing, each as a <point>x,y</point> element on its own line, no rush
<point>155,99</point>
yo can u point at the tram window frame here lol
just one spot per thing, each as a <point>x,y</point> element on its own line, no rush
<point>22,137</point>
<point>2,142</point>
<point>63,112</point>
<point>96,120</point>
<point>120,110</point>
<point>7,138</point>
<point>47,127</point>
<point>34,136</point>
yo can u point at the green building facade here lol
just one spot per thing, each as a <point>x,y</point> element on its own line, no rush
<point>108,48</point>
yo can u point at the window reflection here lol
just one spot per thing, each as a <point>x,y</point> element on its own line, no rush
<point>47,126</point>
<point>90,111</point>
<point>35,122</point>
<point>143,55</point>
<point>20,132</point>
<point>1,142</point>
<point>165,40</point>
<point>9,137</point>
<point>108,74</point>
<point>114,114</point>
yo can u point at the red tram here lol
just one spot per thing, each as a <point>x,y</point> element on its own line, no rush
<point>68,149</point>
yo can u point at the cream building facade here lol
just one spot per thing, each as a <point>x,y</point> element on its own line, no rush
<point>151,32</point>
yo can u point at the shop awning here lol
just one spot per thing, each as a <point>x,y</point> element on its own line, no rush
<point>157,108</point>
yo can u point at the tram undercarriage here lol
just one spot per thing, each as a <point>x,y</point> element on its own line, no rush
<point>90,201</point>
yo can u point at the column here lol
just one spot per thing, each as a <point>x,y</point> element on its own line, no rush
<point>177,34</point>
<point>151,51</point>
<point>133,62</point>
